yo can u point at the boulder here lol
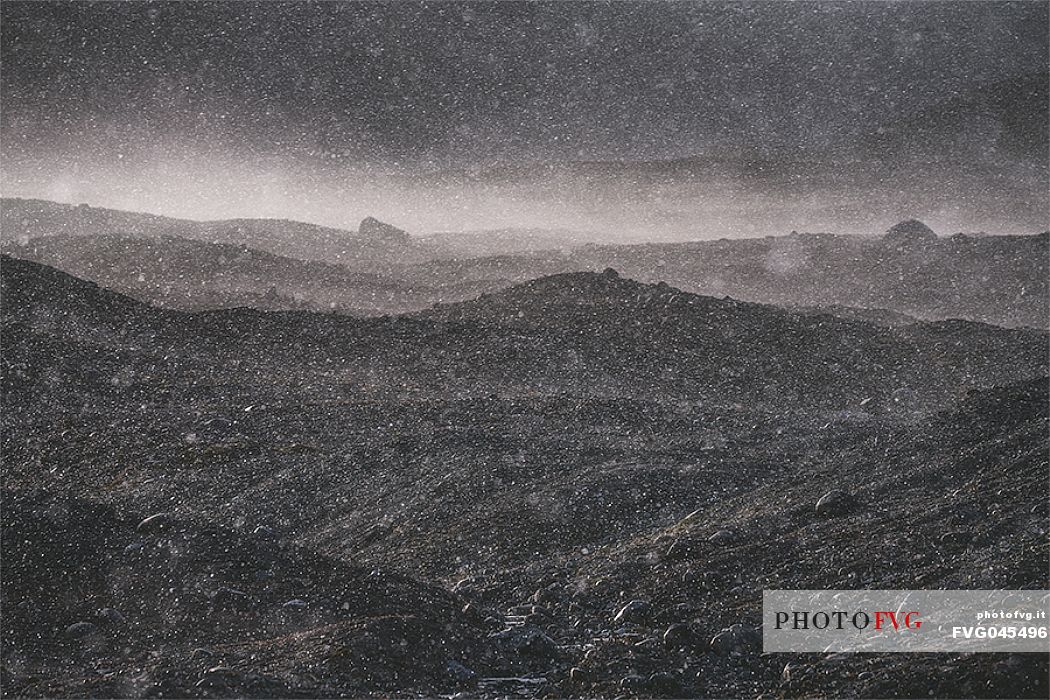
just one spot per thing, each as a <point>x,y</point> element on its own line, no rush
<point>111,616</point>
<point>738,639</point>
<point>722,537</point>
<point>79,630</point>
<point>634,612</point>
<point>230,599</point>
<point>155,523</point>
<point>677,636</point>
<point>835,502</point>
<point>527,641</point>
<point>459,673</point>
<point>909,232</point>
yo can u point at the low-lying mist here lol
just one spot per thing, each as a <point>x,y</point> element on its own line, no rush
<point>694,198</point>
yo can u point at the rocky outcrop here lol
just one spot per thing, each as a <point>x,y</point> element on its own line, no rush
<point>910,232</point>
<point>375,230</point>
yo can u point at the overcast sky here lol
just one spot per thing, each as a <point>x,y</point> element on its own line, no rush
<point>330,111</point>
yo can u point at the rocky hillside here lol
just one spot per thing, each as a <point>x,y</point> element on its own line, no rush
<point>656,334</point>
<point>587,333</point>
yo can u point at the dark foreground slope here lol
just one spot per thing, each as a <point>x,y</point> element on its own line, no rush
<point>551,453</point>
<point>957,503</point>
<point>98,603</point>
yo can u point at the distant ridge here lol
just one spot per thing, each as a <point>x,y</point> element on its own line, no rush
<point>190,274</point>
<point>999,279</point>
<point>23,219</point>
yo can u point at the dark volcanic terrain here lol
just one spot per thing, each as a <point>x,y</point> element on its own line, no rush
<point>576,486</point>
<point>517,350</point>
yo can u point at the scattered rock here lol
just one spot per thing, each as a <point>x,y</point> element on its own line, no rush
<point>464,585</point>
<point>722,537</point>
<point>155,523</point>
<point>534,619</point>
<point>838,658</point>
<point>460,673</point>
<point>264,532</point>
<point>217,676</point>
<point>633,683</point>
<point>79,630</point>
<point>111,616</point>
<point>677,636</point>
<point>737,639</point>
<point>527,641</point>
<point>544,596</point>
<point>634,612</point>
<point>664,684</point>
<point>692,517</point>
<point>229,599</point>
<point>954,539</point>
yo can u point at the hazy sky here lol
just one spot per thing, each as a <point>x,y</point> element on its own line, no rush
<point>449,115</point>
